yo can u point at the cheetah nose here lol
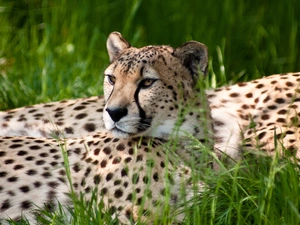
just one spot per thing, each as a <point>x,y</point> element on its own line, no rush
<point>117,113</point>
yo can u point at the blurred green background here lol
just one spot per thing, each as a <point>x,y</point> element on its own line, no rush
<point>52,50</point>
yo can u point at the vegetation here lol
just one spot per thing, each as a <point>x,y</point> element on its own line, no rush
<point>52,50</point>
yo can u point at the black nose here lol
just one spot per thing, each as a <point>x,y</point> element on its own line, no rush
<point>117,113</point>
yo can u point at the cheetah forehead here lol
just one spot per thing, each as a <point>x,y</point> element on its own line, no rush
<point>131,60</point>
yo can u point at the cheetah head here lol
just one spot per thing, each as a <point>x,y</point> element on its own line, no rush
<point>144,88</point>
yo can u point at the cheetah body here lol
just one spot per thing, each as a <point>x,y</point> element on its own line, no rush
<point>68,118</point>
<point>128,174</point>
<point>151,92</point>
<point>263,108</point>
<point>257,114</point>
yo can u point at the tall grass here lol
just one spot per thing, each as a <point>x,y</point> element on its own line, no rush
<point>52,50</point>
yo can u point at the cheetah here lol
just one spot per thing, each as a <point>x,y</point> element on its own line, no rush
<point>131,176</point>
<point>67,118</point>
<point>152,91</point>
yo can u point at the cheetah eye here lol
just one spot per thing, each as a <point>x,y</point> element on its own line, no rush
<point>147,82</point>
<point>111,79</point>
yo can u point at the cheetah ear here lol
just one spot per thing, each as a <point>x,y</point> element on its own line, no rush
<point>193,56</point>
<point>115,44</point>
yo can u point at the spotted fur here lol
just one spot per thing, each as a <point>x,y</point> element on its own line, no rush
<point>67,118</point>
<point>151,91</point>
<point>131,175</point>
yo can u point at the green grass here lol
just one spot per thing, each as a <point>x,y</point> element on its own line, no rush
<point>53,50</point>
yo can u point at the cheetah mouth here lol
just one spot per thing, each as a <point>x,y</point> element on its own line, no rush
<point>139,130</point>
<point>119,133</point>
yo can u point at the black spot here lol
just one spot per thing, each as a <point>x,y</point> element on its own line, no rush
<point>118,193</point>
<point>69,130</point>
<point>77,150</point>
<point>12,179</point>
<point>116,139</point>
<point>87,189</point>
<point>109,176</point>
<point>57,156</point>
<point>53,150</point>
<point>21,153</point>
<point>31,172</point>
<point>24,189</point>
<point>280,100</point>
<point>40,162</point>
<point>155,176</point>
<point>79,107</point>
<point>139,158</point>
<point>96,151</point>
<point>282,112</point>
<point>2,153</point>
<point>259,86</point>
<point>249,95</point>
<point>234,95</point>
<point>62,172</point>
<point>272,107</point>
<point>280,120</point>
<point>3,174</point>
<point>15,146</point>
<point>266,99</point>
<point>289,132</point>
<point>128,159</point>
<point>103,163</point>
<point>97,179</point>
<point>265,117</point>
<point>146,149</point>
<point>116,160</point>
<point>37,184</point>
<point>129,197</point>
<point>107,140</point>
<point>53,163</point>
<point>120,147</point>
<point>81,116</point>
<point>146,179</point>
<point>90,127</point>
<point>107,150</point>
<point>11,193</point>
<point>124,173</point>
<point>44,155</point>
<point>76,167</point>
<point>46,174</point>
<point>261,135</point>
<point>34,147</point>
<point>103,191</point>
<point>87,172</point>
<point>18,167</point>
<point>5,205</point>
<point>117,182</point>
<point>130,151</point>
<point>25,205</point>
<point>9,161</point>
<point>53,184</point>
<point>280,135</point>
